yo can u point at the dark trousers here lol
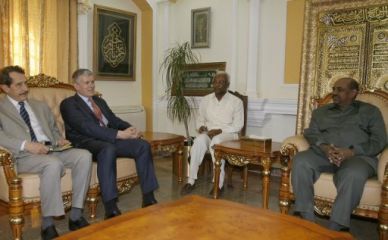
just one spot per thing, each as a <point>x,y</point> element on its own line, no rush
<point>105,154</point>
<point>349,180</point>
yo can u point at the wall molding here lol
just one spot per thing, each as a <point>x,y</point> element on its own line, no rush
<point>259,109</point>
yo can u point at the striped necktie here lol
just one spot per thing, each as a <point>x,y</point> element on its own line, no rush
<point>26,118</point>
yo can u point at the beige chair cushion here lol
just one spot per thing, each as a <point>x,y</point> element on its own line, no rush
<point>53,97</point>
<point>325,189</point>
<point>30,184</point>
<point>382,104</point>
<point>383,161</point>
<point>378,102</point>
<point>126,167</point>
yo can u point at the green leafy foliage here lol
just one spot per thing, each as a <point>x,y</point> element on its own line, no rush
<point>174,65</point>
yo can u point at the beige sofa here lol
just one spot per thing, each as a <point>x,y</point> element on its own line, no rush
<point>20,192</point>
<point>374,201</point>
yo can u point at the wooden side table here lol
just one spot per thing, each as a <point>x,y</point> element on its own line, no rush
<point>168,142</point>
<point>241,153</point>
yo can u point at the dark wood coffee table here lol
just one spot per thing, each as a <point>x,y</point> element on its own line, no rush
<point>241,153</point>
<point>194,217</point>
<point>168,142</point>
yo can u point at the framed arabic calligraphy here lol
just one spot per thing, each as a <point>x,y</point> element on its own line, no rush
<point>342,38</point>
<point>198,78</point>
<point>200,28</point>
<point>114,44</point>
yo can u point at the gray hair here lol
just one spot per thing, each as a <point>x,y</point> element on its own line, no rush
<point>80,72</point>
<point>223,74</point>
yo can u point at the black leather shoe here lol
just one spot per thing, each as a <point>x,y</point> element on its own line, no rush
<point>337,227</point>
<point>49,233</point>
<point>144,204</point>
<point>220,191</point>
<point>187,188</point>
<point>80,223</point>
<point>112,214</point>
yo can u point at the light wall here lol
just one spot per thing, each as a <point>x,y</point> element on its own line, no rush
<point>250,35</point>
<point>116,93</point>
<point>174,26</point>
<point>295,18</point>
<point>252,42</point>
<point>272,42</point>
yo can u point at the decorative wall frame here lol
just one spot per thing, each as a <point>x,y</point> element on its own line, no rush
<point>114,39</point>
<point>200,28</point>
<point>342,38</point>
<point>198,79</point>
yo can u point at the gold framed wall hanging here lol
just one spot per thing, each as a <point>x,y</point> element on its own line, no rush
<point>198,79</point>
<point>342,38</point>
<point>114,40</point>
<point>200,28</point>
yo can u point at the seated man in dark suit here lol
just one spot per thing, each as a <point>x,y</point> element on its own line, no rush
<point>24,125</point>
<point>90,124</point>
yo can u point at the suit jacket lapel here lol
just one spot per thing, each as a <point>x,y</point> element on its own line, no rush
<point>84,106</point>
<point>12,112</point>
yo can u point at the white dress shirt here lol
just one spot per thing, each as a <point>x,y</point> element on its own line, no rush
<point>226,114</point>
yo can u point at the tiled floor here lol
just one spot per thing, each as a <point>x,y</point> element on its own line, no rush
<point>170,190</point>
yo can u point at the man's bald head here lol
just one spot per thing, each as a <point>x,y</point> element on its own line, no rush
<point>345,91</point>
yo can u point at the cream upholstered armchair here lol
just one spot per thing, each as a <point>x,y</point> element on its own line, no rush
<point>374,201</point>
<point>20,191</point>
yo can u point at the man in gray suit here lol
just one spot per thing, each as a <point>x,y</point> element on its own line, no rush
<point>27,126</point>
<point>345,137</point>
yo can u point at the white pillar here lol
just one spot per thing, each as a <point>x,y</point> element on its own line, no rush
<point>159,8</point>
<point>155,13</point>
<point>234,46</point>
<point>84,8</point>
<point>253,48</point>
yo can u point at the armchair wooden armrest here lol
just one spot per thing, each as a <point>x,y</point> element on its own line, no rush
<point>16,206</point>
<point>383,212</point>
<point>382,173</point>
<point>290,146</point>
<point>8,165</point>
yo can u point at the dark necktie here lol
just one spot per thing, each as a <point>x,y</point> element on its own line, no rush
<point>26,118</point>
<point>97,112</point>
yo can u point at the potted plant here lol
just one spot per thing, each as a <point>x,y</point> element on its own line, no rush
<point>179,107</point>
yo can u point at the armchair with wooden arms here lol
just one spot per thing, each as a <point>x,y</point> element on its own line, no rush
<point>20,191</point>
<point>374,201</point>
<point>207,164</point>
